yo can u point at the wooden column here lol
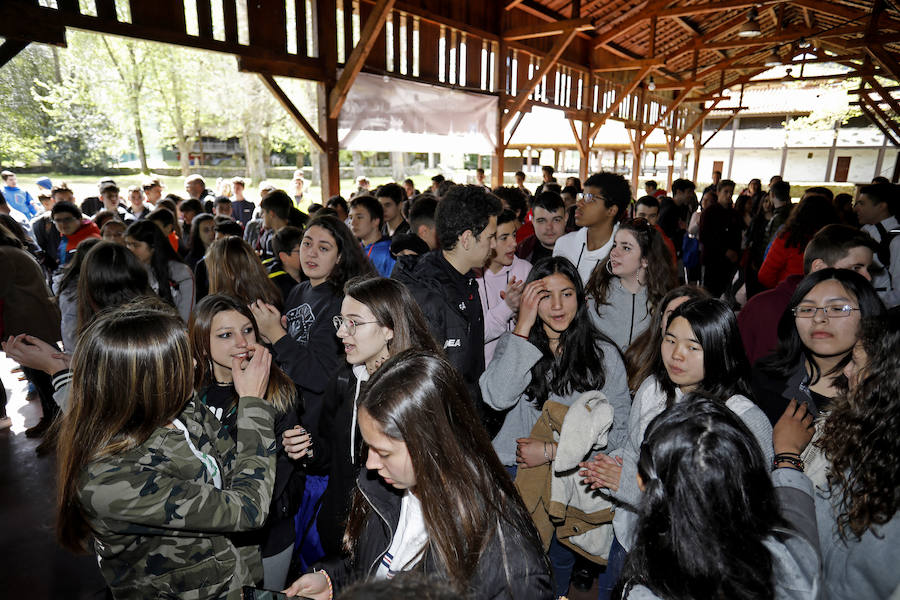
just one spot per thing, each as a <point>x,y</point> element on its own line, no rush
<point>670,169</point>
<point>500,148</point>
<point>328,160</point>
<point>697,147</point>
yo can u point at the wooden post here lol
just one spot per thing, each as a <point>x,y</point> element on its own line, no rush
<point>500,148</point>
<point>697,147</point>
<point>670,169</point>
<point>329,164</point>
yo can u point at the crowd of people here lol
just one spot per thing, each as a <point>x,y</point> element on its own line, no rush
<point>466,392</point>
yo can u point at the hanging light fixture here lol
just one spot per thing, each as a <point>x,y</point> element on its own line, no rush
<point>774,59</point>
<point>750,29</point>
<point>651,85</point>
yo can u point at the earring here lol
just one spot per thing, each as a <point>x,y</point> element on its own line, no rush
<point>609,267</point>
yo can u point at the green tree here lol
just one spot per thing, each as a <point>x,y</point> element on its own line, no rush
<point>23,117</point>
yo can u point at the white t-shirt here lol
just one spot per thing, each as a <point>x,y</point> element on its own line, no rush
<point>408,540</point>
<point>574,247</point>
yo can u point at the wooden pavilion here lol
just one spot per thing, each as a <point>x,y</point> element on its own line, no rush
<point>650,64</point>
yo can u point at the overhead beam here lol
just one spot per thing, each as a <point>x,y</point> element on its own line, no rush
<point>886,119</point>
<point>628,21</point>
<point>887,60</point>
<point>844,12</point>
<point>599,120</point>
<point>698,43</point>
<point>10,49</point>
<point>357,59</point>
<point>721,127</point>
<point>547,62</point>
<point>871,116</point>
<point>292,110</point>
<point>679,99</point>
<point>512,4</point>
<point>788,35</point>
<point>699,120</point>
<point>885,94</point>
<point>547,29</point>
<point>697,9</point>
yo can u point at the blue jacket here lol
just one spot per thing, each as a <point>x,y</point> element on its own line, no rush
<point>20,200</point>
<point>379,254</point>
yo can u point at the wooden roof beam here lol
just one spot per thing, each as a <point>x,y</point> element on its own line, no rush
<point>512,4</point>
<point>547,29</point>
<point>547,62</point>
<point>844,12</point>
<point>628,65</point>
<point>787,36</point>
<point>698,121</point>
<point>887,133</point>
<point>10,49</point>
<point>885,96</point>
<point>676,102</point>
<point>357,59</point>
<point>697,9</point>
<point>886,118</point>
<point>292,110</point>
<point>698,43</point>
<point>598,120</point>
<point>628,21</point>
<point>887,60</point>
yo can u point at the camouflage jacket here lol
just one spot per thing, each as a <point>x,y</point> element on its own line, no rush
<point>160,523</point>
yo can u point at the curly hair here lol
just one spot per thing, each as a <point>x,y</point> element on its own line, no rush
<point>660,276</point>
<point>859,435</point>
<point>465,207</point>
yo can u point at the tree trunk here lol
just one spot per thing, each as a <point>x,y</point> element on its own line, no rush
<point>254,154</point>
<point>315,179</point>
<point>134,98</point>
<point>357,164</point>
<point>398,165</point>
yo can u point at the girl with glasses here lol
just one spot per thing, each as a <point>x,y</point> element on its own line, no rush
<point>624,287</point>
<point>378,319</point>
<point>432,497</point>
<point>816,336</point>
<point>302,339</point>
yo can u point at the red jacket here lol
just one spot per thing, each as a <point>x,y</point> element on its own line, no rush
<point>780,262</point>
<point>669,245</point>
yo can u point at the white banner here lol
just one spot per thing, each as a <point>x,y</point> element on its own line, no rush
<point>403,116</point>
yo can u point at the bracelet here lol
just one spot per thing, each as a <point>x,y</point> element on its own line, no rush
<point>327,579</point>
<point>790,458</point>
<point>546,454</point>
<point>524,337</point>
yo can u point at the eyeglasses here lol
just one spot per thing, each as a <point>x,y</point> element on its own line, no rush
<point>338,321</point>
<point>588,197</point>
<point>835,311</point>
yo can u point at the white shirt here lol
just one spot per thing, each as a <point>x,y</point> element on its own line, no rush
<point>408,540</point>
<point>574,247</point>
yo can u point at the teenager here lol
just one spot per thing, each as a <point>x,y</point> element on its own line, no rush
<point>642,352</point>
<point>554,353</point>
<point>857,508</point>
<point>548,217</point>
<point>221,329</point>
<point>500,284</point>
<point>700,352</point>
<point>710,523</point>
<point>427,451</point>
<point>169,276</point>
<point>72,228</point>
<point>241,208</point>
<point>366,219</point>
<point>835,246</point>
<point>66,290</point>
<point>378,319</point>
<point>785,255</point>
<point>626,286</point>
<point>599,209</point>
<point>647,207</point>
<point>876,209</point>
<point>391,197</point>
<point>305,346</point>
<point>203,232</point>
<point>147,478</point>
<point>816,334</point>
<point>284,268</point>
<point>443,281</point>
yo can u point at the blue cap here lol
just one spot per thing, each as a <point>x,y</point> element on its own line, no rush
<point>45,183</point>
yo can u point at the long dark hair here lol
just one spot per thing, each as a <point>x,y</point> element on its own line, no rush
<point>149,232</point>
<point>812,214</point>
<point>71,271</point>
<point>351,260</point>
<point>197,249</point>
<point>394,307</point>
<point>147,349</point>
<point>726,370</point>
<point>111,275</point>
<point>859,435</point>
<point>281,391</point>
<point>707,508</point>
<point>642,354</point>
<point>419,398</point>
<point>660,276</point>
<point>578,365</point>
<point>790,350</point>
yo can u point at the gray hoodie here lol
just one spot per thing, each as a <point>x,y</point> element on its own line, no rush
<point>624,317</point>
<point>503,387</point>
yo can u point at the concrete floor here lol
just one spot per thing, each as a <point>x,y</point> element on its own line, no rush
<point>34,566</point>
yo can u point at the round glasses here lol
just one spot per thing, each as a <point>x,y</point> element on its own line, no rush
<point>349,324</point>
<point>835,311</point>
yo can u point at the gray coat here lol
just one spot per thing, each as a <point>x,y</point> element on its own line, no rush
<point>506,378</point>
